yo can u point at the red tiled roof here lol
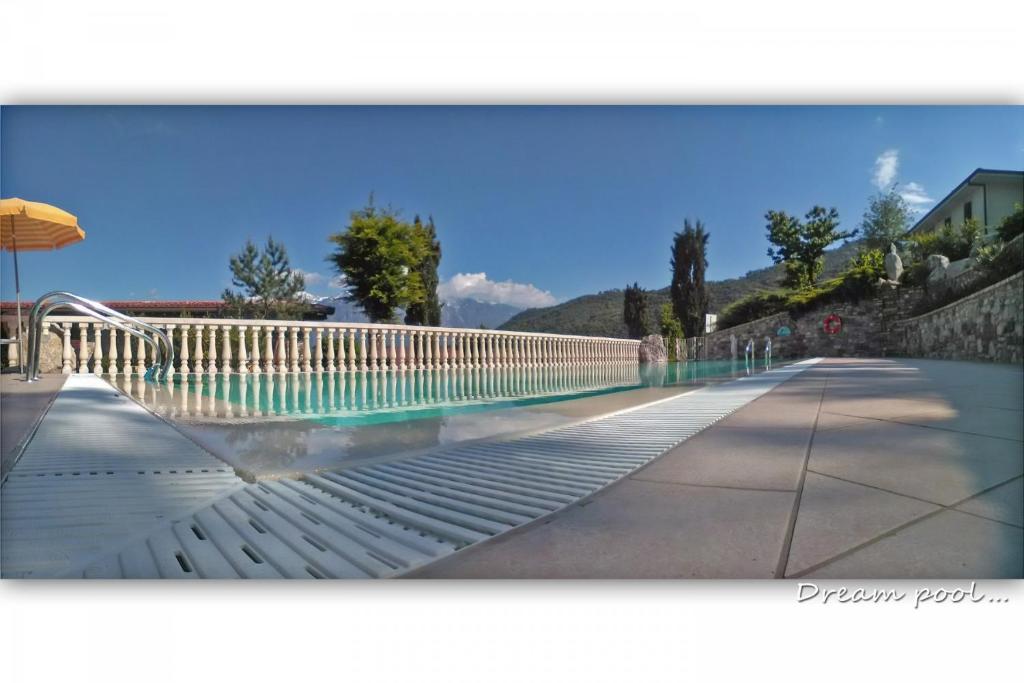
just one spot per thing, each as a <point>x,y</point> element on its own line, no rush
<point>182,305</point>
<point>150,305</point>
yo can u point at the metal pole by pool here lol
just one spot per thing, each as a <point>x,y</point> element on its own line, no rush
<point>17,296</point>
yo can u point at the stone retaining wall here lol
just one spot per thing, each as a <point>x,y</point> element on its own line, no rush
<point>987,325</point>
<point>865,330</point>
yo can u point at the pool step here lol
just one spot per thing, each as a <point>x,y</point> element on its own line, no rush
<point>386,519</point>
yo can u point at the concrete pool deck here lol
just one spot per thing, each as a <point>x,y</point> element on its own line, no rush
<point>857,468</point>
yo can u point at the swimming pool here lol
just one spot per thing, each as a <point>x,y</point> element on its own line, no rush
<point>273,425</point>
<point>386,396</point>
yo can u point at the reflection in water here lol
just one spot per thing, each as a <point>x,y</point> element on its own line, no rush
<point>282,424</point>
<point>389,396</point>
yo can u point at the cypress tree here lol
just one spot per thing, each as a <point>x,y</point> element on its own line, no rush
<point>427,312</point>
<point>634,311</point>
<point>688,290</point>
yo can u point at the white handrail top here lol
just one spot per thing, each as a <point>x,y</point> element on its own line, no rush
<point>328,324</point>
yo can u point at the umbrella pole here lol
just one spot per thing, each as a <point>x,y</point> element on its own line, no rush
<point>17,296</point>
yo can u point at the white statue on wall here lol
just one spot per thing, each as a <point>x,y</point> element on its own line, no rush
<point>893,266</point>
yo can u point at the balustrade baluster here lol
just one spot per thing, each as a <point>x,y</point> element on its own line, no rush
<point>254,359</point>
<point>293,350</point>
<point>442,346</point>
<point>392,350</point>
<point>198,367</point>
<point>402,350</point>
<point>83,348</point>
<point>307,366</point>
<point>126,357</point>
<point>112,350</point>
<point>351,350</point>
<point>268,350</point>
<point>243,356</point>
<point>183,359</point>
<point>140,356</point>
<point>330,358</point>
<point>363,354</point>
<point>225,349</point>
<point>385,360</point>
<point>211,351</point>
<point>281,355</point>
<point>65,354</point>
<point>374,348</point>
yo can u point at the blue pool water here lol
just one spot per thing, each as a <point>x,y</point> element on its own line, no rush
<point>365,398</point>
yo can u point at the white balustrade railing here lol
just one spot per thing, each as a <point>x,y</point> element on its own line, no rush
<point>223,346</point>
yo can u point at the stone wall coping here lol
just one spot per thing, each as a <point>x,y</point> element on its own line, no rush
<point>958,302</point>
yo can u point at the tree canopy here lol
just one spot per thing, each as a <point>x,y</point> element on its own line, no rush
<point>688,289</point>
<point>269,288</point>
<point>799,245</point>
<point>380,257</point>
<point>886,220</point>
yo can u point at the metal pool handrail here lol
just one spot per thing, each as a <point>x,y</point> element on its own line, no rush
<point>105,314</point>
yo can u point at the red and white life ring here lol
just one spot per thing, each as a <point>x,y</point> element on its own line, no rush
<point>833,324</point>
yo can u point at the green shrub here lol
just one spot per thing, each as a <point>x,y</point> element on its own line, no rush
<point>864,272</point>
<point>752,307</point>
<point>995,263</point>
<point>671,330</point>
<point>1012,225</point>
<point>988,255</point>
<point>857,281</point>
<point>953,242</point>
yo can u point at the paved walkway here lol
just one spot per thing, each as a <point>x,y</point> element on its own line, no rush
<point>866,468</point>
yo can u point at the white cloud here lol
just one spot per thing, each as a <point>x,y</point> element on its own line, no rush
<point>477,286</point>
<point>886,166</point>
<point>914,194</point>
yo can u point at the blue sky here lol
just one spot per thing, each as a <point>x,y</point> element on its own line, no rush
<point>548,202</point>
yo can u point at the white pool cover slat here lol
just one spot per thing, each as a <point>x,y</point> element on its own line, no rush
<point>99,470</point>
<point>385,519</point>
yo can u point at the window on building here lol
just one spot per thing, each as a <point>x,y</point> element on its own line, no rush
<point>968,212</point>
<point>948,222</point>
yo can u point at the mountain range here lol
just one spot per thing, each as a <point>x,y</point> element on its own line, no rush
<point>465,313</point>
<point>601,314</point>
<point>591,314</point>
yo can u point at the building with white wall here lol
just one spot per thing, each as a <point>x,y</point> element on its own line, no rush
<point>986,195</point>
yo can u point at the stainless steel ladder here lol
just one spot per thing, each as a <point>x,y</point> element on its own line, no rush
<point>163,350</point>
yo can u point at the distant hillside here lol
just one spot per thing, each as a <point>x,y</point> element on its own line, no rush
<point>601,314</point>
<point>473,313</point>
<point>455,313</point>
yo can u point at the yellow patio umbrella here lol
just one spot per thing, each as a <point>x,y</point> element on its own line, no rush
<point>34,226</point>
